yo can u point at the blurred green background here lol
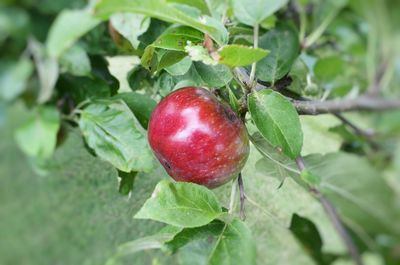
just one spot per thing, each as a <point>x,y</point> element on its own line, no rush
<point>75,215</point>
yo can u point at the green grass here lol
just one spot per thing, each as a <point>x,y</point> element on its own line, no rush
<point>74,215</point>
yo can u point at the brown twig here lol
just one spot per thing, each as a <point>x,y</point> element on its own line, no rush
<point>375,88</point>
<point>366,134</point>
<point>356,129</point>
<point>242,197</point>
<point>366,103</point>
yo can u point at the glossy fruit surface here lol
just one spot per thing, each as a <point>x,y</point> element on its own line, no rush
<point>198,139</point>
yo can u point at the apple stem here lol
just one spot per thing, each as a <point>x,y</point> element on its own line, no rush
<point>242,197</point>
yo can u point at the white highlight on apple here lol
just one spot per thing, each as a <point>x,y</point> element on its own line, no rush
<point>193,124</point>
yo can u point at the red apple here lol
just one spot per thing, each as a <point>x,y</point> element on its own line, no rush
<point>197,138</point>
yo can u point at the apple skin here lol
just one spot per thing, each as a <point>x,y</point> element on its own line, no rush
<point>197,138</point>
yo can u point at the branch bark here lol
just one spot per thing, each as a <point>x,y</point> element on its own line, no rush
<point>366,103</point>
<point>313,107</point>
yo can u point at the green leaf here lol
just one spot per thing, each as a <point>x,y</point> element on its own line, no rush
<point>68,27</point>
<point>141,105</point>
<point>14,77</point>
<point>239,55</point>
<point>213,75</point>
<point>277,120</point>
<point>145,243</point>
<point>185,236</point>
<point>126,181</point>
<point>307,233</point>
<point>180,68</point>
<point>202,5</point>
<point>162,10</point>
<point>234,246</point>
<point>316,130</point>
<point>329,68</point>
<point>310,178</point>
<point>271,193</point>
<point>47,68</point>
<point>283,44</point>
<point>252,12</point>
<point>177,37</point>
<point>75,61</point>
<point>201,74</point>
<point>232,243</point>
<point>365,199</point>
<point>131,26</point>
<point>200,53</point>
<point>165,84</point>
<point>233,101</point>
<point>269,22</point>
<point>14,22</point>
<point>80,88</point>
<point>116,136</point>
<point>167,58</point>
<point>148,60</point>
<point>181,204</point>
<point>37,137</point>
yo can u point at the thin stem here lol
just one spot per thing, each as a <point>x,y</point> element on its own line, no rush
<point>338,225</point>
<point>366,134</point>
<point>376,84</point>
<point>242,197</point>
<point>253,66</point>
<point>233,196</point>
<point>303,25</point>
<point>355,128</point>
<point>300,163</point>
<point>317,33</point>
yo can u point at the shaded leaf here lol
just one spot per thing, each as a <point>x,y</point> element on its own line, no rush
<point>126,181</point>
<point>283,44</point>
<point>141,105</point>
<point>80,88</point>
<point>213,76</point>
<point>116,136</point>
<point>75,61</point>
<point>180,68</point>
<point>233,101</point>
<point>228,243</point>
<point>307,233</point>
<point>131,26</point>
<point>167,58</point>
